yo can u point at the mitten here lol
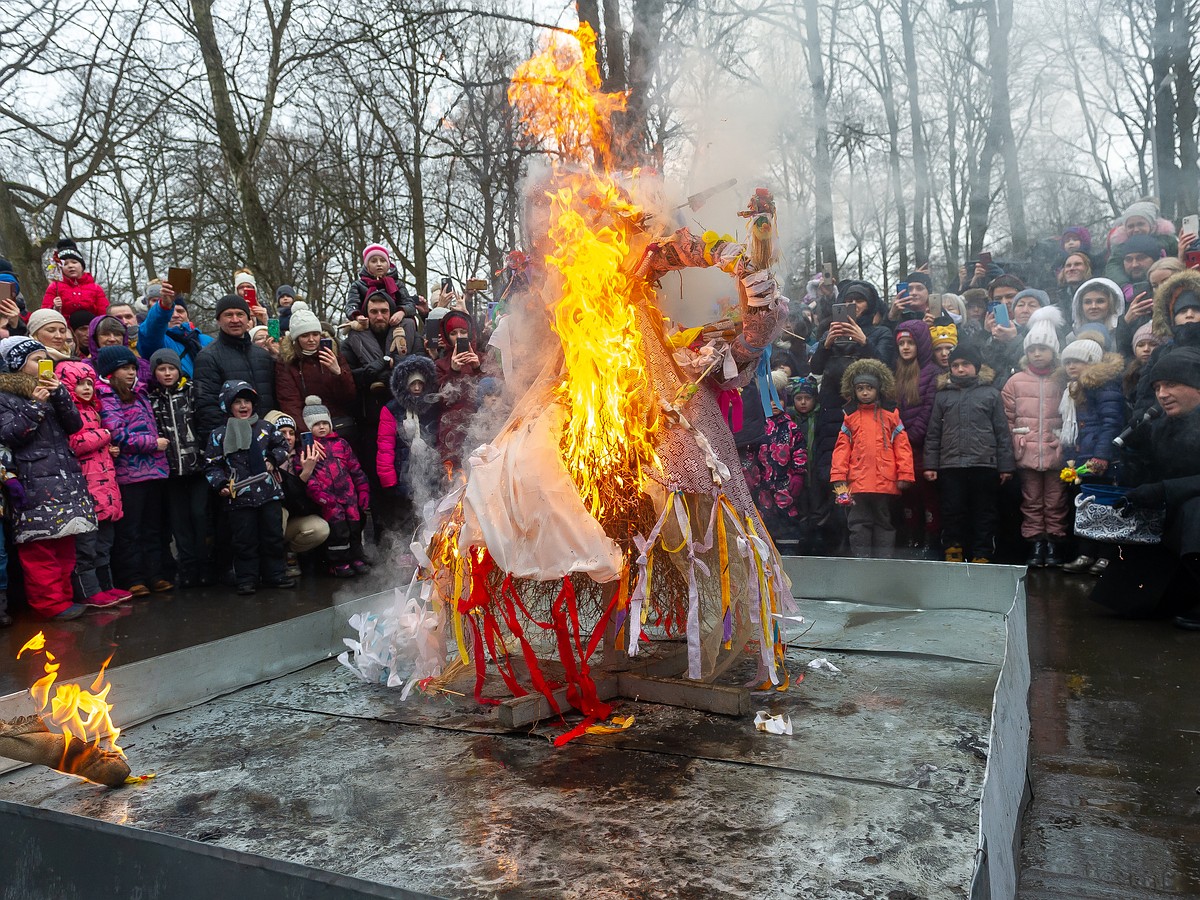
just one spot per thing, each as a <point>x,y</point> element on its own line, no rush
<point>1148,496</point>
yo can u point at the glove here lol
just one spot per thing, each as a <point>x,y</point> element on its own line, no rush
<point>16,492</point>
<point>1148,496</point>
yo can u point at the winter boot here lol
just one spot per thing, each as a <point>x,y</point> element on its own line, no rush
<point>1054,554</point>
<point>954,553</point>
<point>1038,551</point>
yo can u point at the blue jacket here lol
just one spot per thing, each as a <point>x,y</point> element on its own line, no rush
<point>186,340</point>
<point>1099,408</point>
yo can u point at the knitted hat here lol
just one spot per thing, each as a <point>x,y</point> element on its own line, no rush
<point>280,419</point>
<point>180,302</point>
<point>920,278</point>
<point>1043,328</point>
<point>1143,209</point>
<point>314,412</point>
<point>16,350</point>
<point>1146,333</point>
<point>109,359</point>
<point>153,292</point>
<point>1080,233</point>
<point>303,320</point>
<point>943,334</point>
<point>865,377</point>
<point>1093,331</point>
<point>1041,297</point>
<point>415,376</point>
<point>376,250</point>
<point>40,318</point>
<point>66,249</point>
<point>1185,300</point>
<point>1141,243</point>
<point>81,318</point>
<point>232,301</point>
<point>806,385</point>
<point>7,275</point>
<point>244,278</point>
<point>1085,350</point>
<point>284,290</point>
<point>1179,364</point>
<point>233,389</point>
<point>165,357</point>
<point>257,330</point>
<point>966,353</point>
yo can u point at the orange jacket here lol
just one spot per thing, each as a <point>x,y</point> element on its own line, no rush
<point>872,452</point>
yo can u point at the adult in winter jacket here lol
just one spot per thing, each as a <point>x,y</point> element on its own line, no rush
<point>231,357</point>
<point>459,373</point>
<point>916,387</point>
<point>109,331</point>
<point>305,367</point>
<point>1139,226</point>
<point>52,331</point>
<point>93,447</point>
<point>239,462</point>
<point>969,453</point>
<point>379,275</point>
<point>36,416</point>
<point>1031,404</point>
<point>141,468</point>
<point>1176,322</point>
<point>173,398</point>
<point>77,289</point>
<point>167,325</point>
<point>873,457</point>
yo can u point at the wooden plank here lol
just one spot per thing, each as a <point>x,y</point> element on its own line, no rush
<point>683,692</point>
<point>533,707</point>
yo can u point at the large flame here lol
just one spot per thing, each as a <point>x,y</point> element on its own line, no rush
<point>606,445</point>
<point>82,714</point>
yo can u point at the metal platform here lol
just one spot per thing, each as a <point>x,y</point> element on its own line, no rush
<point>904,776</point>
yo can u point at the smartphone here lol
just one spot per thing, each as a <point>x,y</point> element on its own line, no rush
<point>477,284</point>
<point>827,270</point>
<point>902,288</point>
<point>306,438</point>
<point>462,345</point>
<point>251,295</point>
<point>180,280</point>
<point>1192,258</point>
<point>843,312</point>
<point>1141,287</point>
<point>1191,224</point>
<point>273,328</point>
<point>45,368</point>
<point>8,291</point>
<point>1000,311</point>
<point>326,344</point>
<point>985,257</point>
<point>935,305</point>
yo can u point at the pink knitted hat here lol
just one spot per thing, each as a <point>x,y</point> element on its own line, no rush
<point>374,249</point>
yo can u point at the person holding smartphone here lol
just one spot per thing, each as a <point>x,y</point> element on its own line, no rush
<point>459,374</point>
<point>310,364</point>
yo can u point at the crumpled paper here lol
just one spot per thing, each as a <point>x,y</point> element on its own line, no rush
<point>823,663</point>
<point>764,721</point>
<point>400,645</point>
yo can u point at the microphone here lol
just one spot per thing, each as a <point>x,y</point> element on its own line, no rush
<point>1149,415</point>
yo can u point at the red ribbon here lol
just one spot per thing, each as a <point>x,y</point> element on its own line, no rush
<point>730,402</point>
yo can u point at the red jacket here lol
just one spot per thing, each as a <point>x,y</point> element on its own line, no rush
<point>872,452</point>
<point>84,293</point>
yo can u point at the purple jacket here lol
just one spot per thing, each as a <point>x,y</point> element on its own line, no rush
<point>143,366</point>
<point>135,432</point>
<point>916,416</point>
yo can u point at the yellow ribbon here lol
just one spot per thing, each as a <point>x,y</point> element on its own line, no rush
<point>618,723</point>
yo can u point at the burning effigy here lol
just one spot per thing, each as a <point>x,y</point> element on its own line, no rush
<point>73,731</point>
<point>611,505</point>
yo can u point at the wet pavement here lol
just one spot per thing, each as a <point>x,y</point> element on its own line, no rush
<point>1115,756</point>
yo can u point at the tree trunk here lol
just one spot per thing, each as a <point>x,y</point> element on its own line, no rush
<point>1002,117</point>
<point>822,165</point>
<point>888,96</point>
<point>614,47</point>
<point>22,252</point>
<point>1162,64</point>
<point>1185,116</point>
<point>920,153</point>
<point>263,255</point>
<point>644,36</point>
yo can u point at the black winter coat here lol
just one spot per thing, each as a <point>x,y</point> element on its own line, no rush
<point>1168,451</point>
<point>57,502</point>
<point>269,446</point>
<point>968,427</point>
<point>231,359</point>
<point>175,414</point>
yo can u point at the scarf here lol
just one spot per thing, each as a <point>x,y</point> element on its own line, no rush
<point>239,434</point>
<point>385,284</point>
<point>963,381</point>
<point>1069,432</point>
<point>1040,370</point>
<point>187,338</point>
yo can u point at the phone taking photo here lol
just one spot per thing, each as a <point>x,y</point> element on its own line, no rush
<point>843,312</point>
<point>462,345</point>
<point>306,439</point>
<point>1191,225</point>
<point>1000,312</point>
<point>45,368</point>
<point>326,344</point>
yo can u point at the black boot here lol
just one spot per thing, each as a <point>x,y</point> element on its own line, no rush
<point>1054,554</point>
<point>1038,551</point>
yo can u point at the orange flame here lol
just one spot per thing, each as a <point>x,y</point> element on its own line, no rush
<point>78,713</point>
<point>606,445</point>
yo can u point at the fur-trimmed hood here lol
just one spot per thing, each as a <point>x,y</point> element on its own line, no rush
<point>986,376</point>
<point>1109,287</point>
<point>887,381</point>
<point>403,370</point>
<point>1110,368</point>
<point>1164,300</point>
<point>18,384</point>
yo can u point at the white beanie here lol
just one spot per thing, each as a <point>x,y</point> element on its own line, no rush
<point>1085,350</point>
<point>1143,209</point>
<point>1043,328</point>
<point>244,278</point>
<point>303,320</point>
<point>40,318</point>
<point>315,412</point>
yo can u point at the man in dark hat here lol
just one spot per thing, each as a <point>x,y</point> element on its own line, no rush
<point>231,357</point>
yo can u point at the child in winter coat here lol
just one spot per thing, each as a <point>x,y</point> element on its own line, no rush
<point>36,416</point>
<point>238,465</point>
<point>339,486</point>
<point>303,528</point>
<point>378,274</point>
<point>814,503</point>
<point>93,447</point>
<point>916,386</point>
<point>779,464</point>
<point>1143,344</point>
<point>77,289</point>
<point>1031,400</point>
<point>969,454</point>
<point>141,468</point>
<point>185,502</point>
<point>1093,412</point>
<point>407,439</point>
<point>873,457</point>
